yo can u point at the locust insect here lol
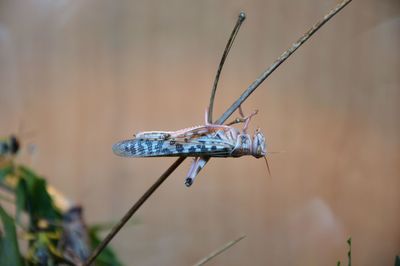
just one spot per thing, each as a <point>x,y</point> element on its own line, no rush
<point>209,140</point>
<point>200,142</point>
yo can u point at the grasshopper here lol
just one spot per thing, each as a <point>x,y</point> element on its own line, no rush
<point>200,142</point>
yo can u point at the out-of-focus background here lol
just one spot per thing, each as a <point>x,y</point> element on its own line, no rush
<point>84,74</point>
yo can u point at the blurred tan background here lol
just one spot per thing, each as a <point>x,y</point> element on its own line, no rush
<point>85,74</point>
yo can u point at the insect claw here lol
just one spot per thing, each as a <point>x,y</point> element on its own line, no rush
<point>197,164</point>
<point>190,177</point>
<point>188,182</point>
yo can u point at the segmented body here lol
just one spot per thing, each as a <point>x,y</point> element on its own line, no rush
<point>200,142</point>
<point>167,144</point>
<point>214,141</point>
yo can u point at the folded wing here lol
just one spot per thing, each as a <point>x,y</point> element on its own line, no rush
<point>202,146</point>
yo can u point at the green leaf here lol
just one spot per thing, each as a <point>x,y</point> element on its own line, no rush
<point>9,250</point>
<point>5,171</point>
<point>107,257</point>
<point>28,175</point>
<point>20,198</point>
<point>39,204</point>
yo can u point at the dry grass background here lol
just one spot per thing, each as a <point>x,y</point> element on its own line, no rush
<point>84,74</point>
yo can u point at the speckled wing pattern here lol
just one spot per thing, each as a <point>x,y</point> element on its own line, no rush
<point>209,145</point>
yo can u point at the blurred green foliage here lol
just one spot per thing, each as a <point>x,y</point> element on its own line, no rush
<point>107,257</point>
<point>9,250</point>
<point>348,253</point>
<point>45,229</point>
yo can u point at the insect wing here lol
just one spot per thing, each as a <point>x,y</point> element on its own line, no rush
<point>206,145</point>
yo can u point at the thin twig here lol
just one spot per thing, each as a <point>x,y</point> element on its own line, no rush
<point>277,63</point>
<point>219,251</point>
<point>241,18</point>
<point>133,209</point>
<point>280,60</point>
<point>221,120</point>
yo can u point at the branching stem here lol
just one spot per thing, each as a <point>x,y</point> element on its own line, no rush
<point>133,209</point>
<point>221,120</point>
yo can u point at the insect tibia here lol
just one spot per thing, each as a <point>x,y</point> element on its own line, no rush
<point>153,135</point>
<point>197,164</point>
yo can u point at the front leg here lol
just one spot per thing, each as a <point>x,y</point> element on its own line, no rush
<point>243,119</point>
<point>247,120</point>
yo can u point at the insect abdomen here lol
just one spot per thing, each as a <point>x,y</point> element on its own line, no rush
<point>165,148</point>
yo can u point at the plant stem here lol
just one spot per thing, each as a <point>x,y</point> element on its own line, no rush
<point>280,60</point>
<point>219,251</point>
<point>133,209</point>
<point>221,120</point>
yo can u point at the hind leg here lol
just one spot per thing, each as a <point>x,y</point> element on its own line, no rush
<point>196,166</point>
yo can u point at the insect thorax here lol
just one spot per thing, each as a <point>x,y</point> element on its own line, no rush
<point>246,145</point>
<point>243,145</point>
